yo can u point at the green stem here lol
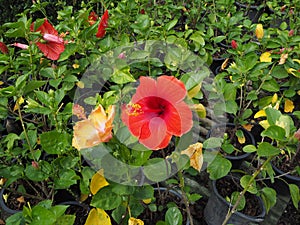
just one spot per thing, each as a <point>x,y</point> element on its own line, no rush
<point>185,200</point>
<point>255,174</point>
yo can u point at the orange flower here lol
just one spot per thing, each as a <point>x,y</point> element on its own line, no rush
<point>94,130</point>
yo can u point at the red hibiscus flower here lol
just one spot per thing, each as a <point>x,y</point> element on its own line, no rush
<point>157,111</point>
<point>103,25</point>
<point>3,48</point>
<point>93,17</point>
<point>51,44</point>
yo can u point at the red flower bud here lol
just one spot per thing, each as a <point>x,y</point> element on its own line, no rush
<point>35,164</point>
<point>291,33</point>
<point>234,44</point>
<point>297,134</point>
<point>142,11</point>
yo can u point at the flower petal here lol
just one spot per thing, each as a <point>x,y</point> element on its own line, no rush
<point>147,87</point>
<point>102,25</point>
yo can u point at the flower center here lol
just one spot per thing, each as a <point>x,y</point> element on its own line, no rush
<point>134,109</point>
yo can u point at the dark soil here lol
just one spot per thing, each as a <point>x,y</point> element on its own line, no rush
<point>226,186</point>
<point>80,211</point>
<point>197,211</point>
<point>285,164</point>
<point>17,198</point>
<point>290,216</point>
<point>162,199</point>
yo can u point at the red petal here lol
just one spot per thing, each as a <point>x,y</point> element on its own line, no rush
<point>102,25</point>
<point>51,50</point>
<point>170,89</point>
<point>146,88</point>
<point>159,137</point>
<point>46,27</point>
<point>3,48</point>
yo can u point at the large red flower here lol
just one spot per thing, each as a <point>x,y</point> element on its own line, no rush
<point>102,25</point>
<point>51,44</point>
<point>157,111</point>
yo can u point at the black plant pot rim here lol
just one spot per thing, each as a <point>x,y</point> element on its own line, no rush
<point>4,206</point>
<point>291,177</point>
<point>76,203</point>
<point>252,139</point>
<point>174,192</point>
<point>258,218</point>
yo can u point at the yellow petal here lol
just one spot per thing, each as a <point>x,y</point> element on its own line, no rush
<point>19,102</point>
<point>274,98</point>
<point>288,106</point>
<point>265,57</point>
<point>98,181</point>
<point>194,91</point>
<point>260,113</point>
<point>134,221</point>
<point>296,60</point>
<point>194,151</point>
<point>98,217</point>
<point>242,140</point>
<point>264,123</point>
<point>259,31</point>
<point>224,64</point>
<point>75,66</point>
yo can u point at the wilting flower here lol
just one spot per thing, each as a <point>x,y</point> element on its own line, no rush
<point>234,44</point>
<point>94,130</point>
<point>93,17</point>
<point>20,45</point>
<point>283,58</point>
<point>3,48</point>
<point>157,111</point>
<point>297,134</point>
<point>194,152</point>
<point>291,33</point>
<point>259,31</point>
<point>51,44</point>
<point>103,25</point>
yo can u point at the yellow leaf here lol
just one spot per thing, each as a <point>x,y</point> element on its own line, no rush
<point>75,66</point>
<point>260,113</point>
<point>80,84</point>
<point>265,57</point>
<point>147,201</point>
<point>242,140</point>
<point>288,106</point>
<point>19,102</point>
<point>296,60</point>
<point>274,98</point>
<point>1,82</point>
<point>83,197</point>
<point>264,123</point>
<point>134,221</point>
<point>98,217</point>
<point>259,31</point>
<point>248,126</point>
<point>98,181</point>
<point>194,151</point>
<point>200,109</point>
<point>194,91</point>
<point>291,71</point>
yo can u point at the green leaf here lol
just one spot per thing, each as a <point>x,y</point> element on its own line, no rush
<point>3,108</point>
<point>279,72</point>
<point>271,86</point>
<point>67,177</point>
<point>294,190</point>
<point>15,219</point>
<point>157,169</point>
<point>242,203</point>
<point>144,192</point>
<point>269,197</point>
<point>245,181</point>
<point>59,210</point>
<point>173,216</point>
<point>35,174</point>
<point>212,142</point>
<point>122,76</point>
<point>266,149</point>
<point>273,115</point>
<point>47,72</point>
<point>65,220</point>
<point>249,148</point>
<point>106,199</point>
<point>54,142</point>
<point>274,132</point>
<point>219,167</point>
<point>171,24</point>
<point>32,85</point>
<point>70,49</point>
